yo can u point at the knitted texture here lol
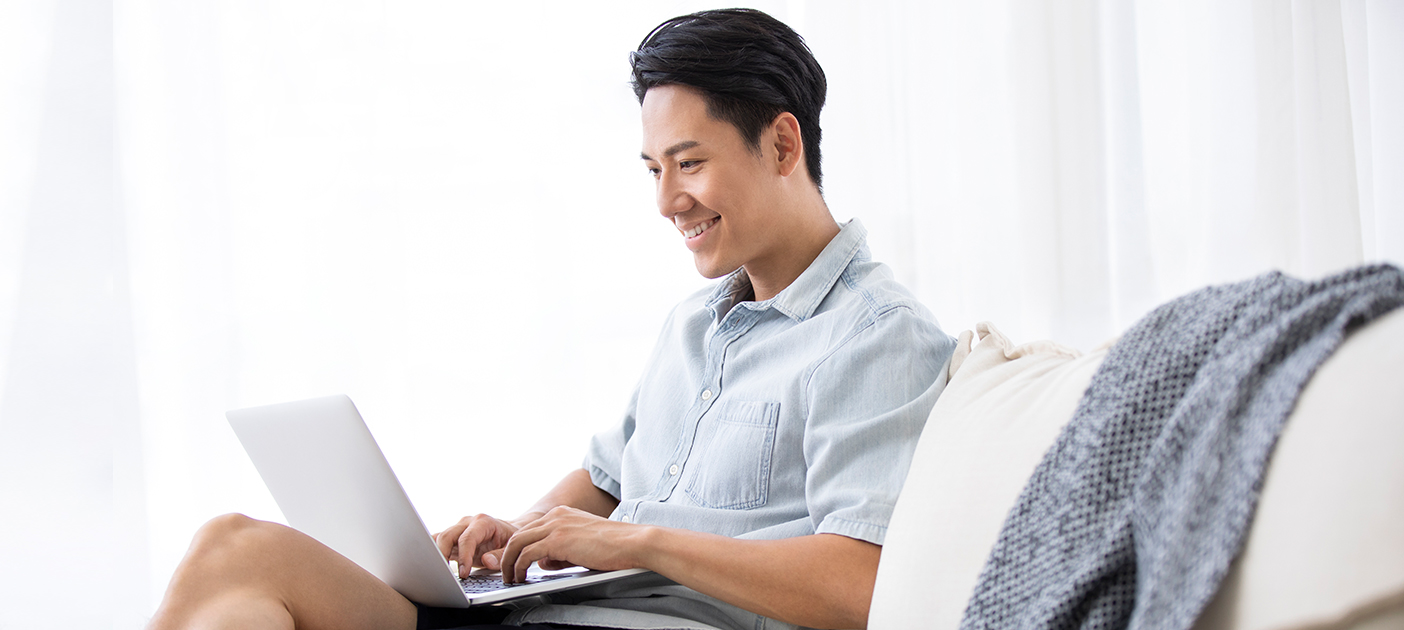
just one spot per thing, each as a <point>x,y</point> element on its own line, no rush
<point>1137,510</point>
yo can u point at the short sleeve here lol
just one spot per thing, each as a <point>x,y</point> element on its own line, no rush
<point>604,459</point>
<point>868,402</point>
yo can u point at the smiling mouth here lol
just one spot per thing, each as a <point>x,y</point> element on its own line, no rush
<point>700,228</point>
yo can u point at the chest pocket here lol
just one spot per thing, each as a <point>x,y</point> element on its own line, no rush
<point>732,469</point>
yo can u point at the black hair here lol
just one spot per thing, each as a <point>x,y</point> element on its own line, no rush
<point>750,68</point>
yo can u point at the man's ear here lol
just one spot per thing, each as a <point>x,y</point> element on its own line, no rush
<point>789,144</point>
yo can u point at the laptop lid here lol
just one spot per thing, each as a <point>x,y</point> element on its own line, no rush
<point>332,482</point>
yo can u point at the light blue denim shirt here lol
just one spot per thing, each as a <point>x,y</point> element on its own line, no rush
<point>792,416</point>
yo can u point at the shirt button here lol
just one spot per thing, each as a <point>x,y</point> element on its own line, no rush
<point>673,470</point>
<point>624,519</point>
<point>706,394</point>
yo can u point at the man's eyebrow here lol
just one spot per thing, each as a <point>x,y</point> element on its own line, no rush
<point>675,149</point>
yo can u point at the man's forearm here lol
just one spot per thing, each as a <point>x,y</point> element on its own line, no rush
<point>819,581</point>
<point>574,490</point>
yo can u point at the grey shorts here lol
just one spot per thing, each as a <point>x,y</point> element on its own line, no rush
<point>481,618</point>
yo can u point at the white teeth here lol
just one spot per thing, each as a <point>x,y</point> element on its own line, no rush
<point>700,228</point>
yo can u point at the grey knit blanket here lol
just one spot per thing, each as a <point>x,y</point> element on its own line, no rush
<point>1137,510</point>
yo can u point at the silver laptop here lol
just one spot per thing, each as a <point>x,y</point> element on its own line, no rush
<point>332,482</point>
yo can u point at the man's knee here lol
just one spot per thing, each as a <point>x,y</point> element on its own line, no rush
<point>233,536</point>
<point>228,526</point>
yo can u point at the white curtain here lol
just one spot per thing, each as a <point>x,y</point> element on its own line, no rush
<point>1061,167</point>
<point>437,208</point>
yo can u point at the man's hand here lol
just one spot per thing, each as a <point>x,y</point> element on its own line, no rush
<point>566,537</point>
<point>475,541</point>
<point>478,541</point>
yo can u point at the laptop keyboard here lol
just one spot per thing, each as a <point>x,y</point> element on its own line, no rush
<point>489,583</point>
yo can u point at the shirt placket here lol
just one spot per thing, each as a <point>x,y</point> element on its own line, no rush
<point>731,328</point>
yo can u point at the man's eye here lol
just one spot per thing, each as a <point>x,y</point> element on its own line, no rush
<point>653,172</point>
<point>688,164</point>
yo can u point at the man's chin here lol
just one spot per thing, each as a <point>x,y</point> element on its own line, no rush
<point>712,271</point>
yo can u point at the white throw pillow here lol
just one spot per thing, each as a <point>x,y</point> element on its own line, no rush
<point>1001,410</point>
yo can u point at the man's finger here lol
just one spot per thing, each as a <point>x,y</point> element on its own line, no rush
<point>467,545</point>
<point>492,559</point>
<point>447,539</point>
<point>522,564</point>
<point>452,541</point>
<point>555,565</point>
<point>516,557</point>
<point>484,534</point>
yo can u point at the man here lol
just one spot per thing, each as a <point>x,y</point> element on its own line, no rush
<point>760,457</point>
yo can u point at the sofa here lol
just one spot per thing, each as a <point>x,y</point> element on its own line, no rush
<point>1325,550</point>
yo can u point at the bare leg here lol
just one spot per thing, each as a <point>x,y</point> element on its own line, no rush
<point>243,573</point>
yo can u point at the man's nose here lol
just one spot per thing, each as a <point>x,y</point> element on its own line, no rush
<point>672,199</point>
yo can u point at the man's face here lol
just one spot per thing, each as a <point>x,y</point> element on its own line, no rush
<point>714,189</point>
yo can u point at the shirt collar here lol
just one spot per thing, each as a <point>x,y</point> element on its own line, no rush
<point>799,300</point>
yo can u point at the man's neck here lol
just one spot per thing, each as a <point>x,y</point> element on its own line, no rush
<point>807,236</point>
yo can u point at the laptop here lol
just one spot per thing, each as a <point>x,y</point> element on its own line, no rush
<point>331,481</point>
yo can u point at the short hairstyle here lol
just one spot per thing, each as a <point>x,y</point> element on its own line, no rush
<point>749,66</point>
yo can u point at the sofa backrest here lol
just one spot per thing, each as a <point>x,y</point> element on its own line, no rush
<point>1326,548</point>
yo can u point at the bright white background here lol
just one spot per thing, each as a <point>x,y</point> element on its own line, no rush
<point>437,208</point>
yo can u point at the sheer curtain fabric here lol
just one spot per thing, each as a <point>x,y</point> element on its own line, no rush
<point>436,208</point>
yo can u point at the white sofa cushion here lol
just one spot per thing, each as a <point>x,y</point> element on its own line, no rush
<point>999,413</point>
<point>1325,550</point>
